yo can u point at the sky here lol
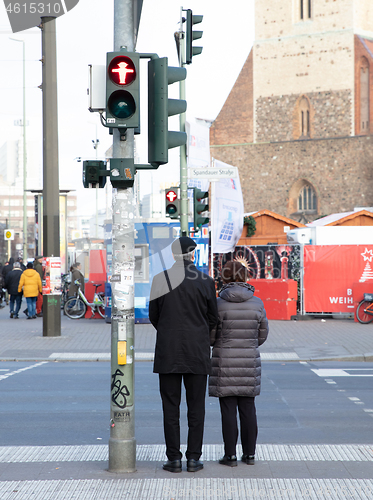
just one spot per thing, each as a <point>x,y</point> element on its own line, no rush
<point>84,35</point>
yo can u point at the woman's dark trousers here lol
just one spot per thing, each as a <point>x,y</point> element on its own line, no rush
<point>248,424</point>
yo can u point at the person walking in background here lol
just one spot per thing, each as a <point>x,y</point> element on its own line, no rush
<point>236,365</point>
<point>20,260</point>
<point>11,282</point>
<point>76,276</point>
<point>7,267</point>
<point>5,270</point>
<point>38,266</point>
<point>2,288</point>
<point>31,283</point>
<point>183,310</point>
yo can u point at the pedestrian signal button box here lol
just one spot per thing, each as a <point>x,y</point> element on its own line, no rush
<point>122,352</point>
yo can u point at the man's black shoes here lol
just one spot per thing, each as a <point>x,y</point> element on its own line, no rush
<point>230,460</point>
<point>172,466</point>
<point>194,465</point>
<point>248,459</point>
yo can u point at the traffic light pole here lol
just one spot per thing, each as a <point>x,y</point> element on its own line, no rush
<point>122,443</point>
<point>51,208</point>
<point>183,148</point>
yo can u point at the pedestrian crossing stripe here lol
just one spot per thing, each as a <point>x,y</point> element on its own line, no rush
<point>210,452</point>
<point>189,489</point>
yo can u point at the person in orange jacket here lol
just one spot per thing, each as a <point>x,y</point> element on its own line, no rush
<point>31,283</point>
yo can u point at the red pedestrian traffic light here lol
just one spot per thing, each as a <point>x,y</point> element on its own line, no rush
<point>122,90</point>
<point>172,203</point>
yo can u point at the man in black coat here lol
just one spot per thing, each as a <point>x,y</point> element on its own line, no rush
<point>11,282</point>
<point>183,310</point>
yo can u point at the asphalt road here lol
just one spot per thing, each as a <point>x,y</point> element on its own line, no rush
<point>67,403</point>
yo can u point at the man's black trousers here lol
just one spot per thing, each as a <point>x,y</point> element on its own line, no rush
<point>170,389</point>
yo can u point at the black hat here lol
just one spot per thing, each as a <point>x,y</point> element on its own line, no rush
<point>183,245</point>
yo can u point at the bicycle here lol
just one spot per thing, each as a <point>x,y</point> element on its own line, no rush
<point>76,307</point>
<point>364,311</point>
<point>65,281</point>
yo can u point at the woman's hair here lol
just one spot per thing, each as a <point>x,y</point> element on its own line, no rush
<point>74,266</point>
<point>234,272</point>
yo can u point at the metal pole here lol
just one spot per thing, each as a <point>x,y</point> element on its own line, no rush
<point>95,145</point>
<point>51,212</point>
<point>301,284</point>
<point>24,160</point>
<point>212,208</point>
<point>122,442</point>
<point>183,151</point>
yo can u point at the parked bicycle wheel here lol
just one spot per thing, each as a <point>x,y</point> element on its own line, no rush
<point>101,309</point>
<point>75,308</point>
<point>362,316</point>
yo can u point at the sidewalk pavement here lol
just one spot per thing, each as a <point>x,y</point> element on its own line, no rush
<point>319,471</point>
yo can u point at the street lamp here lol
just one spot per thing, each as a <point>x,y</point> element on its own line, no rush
<point>24,154</point>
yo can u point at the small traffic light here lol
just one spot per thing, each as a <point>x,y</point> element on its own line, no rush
<point>122,172</point>
<point>94,174</point>
<point>199,206</point>
<point>122,90</point>
<point>192,35</point>
<point>160,139</point>
<point>172,203</point>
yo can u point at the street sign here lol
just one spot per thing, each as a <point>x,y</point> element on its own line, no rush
<point>9,234</point>
<point>213,173</point>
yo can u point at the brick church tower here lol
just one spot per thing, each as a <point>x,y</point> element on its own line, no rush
<point>299,120</point>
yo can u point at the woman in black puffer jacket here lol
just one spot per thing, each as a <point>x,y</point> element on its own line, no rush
<point>236,366</point>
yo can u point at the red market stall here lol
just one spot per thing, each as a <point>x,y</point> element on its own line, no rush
<point>336,277</point>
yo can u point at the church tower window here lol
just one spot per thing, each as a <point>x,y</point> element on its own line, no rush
<point>304,117</point>
<point>305,9</point>
<point>307,200</point>
<point>364,96</point>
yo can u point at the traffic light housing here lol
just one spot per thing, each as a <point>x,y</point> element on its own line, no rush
<point>94,174</point>
<point>192,35</point>
<point>160,107</point>
<point>172,203</point>
<point>122,90</point>
<point>200,206</point>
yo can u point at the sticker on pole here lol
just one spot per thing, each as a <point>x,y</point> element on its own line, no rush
<point>52,276</point>
<point>9,234</point>
<point>24,15</point>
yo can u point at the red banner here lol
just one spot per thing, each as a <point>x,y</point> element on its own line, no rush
<point>330,272</point>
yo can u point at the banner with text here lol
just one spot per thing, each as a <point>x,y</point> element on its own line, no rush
<point>227,215</point>
<point>329,274</point>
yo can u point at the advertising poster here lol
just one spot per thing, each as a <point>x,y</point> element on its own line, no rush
<point>329,274</point>
<point>52,276</point>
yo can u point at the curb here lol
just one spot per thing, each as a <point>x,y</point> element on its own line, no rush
<point>368,357</point>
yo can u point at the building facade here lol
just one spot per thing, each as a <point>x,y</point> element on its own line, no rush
<point>299,120</point>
